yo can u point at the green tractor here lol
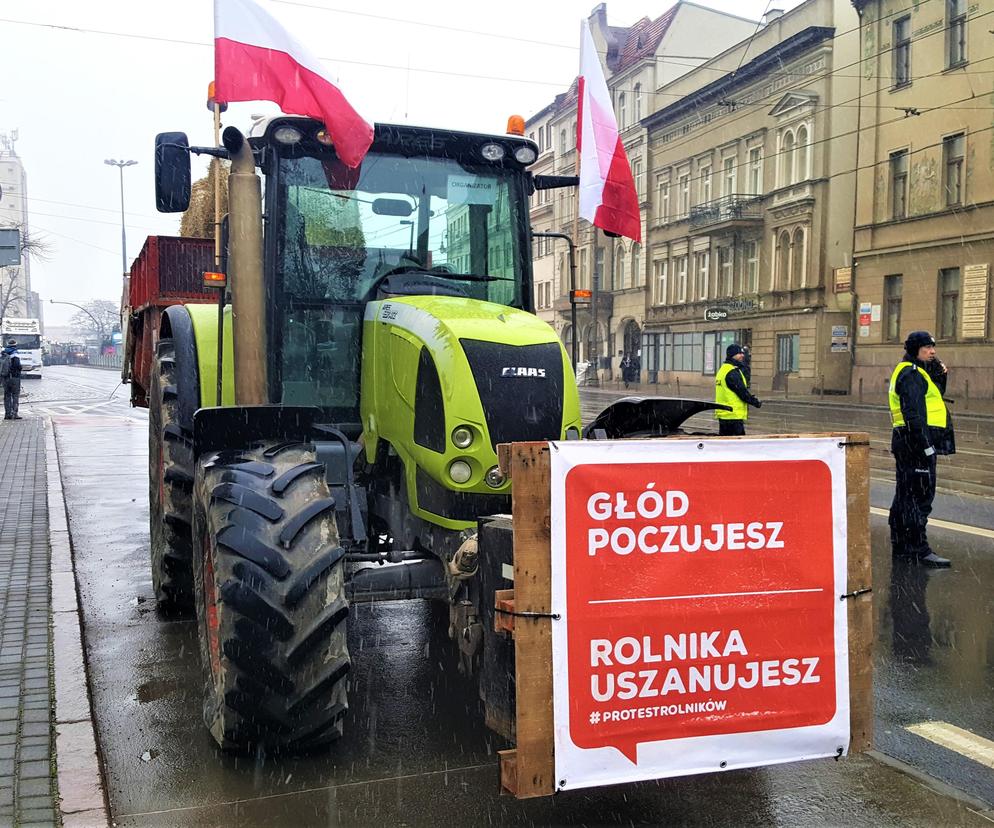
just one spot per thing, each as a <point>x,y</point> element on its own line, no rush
<point>379,345</point>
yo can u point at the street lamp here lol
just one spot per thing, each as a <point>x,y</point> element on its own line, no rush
<point>97,322</point>
<point>124,242</point>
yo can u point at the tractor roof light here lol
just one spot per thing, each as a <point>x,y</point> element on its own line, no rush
<point>525,155</point>
<point>288,135</point>
<point>492,151</point>
<point>324,138</point>
<point>462,437</point>
<point>460,471</point>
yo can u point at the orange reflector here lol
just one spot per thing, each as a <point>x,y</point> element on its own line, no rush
<point>215,280</point>
<point>515,125</point>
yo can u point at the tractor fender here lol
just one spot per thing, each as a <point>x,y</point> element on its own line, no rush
<point>646,417</point>
<point>203,320</point>
<point>177,325</point>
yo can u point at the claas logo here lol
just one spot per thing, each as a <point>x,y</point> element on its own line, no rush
<point>518,371</point>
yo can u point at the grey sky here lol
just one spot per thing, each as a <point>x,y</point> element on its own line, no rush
<point>78,97</point>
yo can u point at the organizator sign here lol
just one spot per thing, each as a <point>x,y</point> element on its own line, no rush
<point>698,589</point>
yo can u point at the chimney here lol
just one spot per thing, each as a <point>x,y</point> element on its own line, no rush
<point>771,16</point>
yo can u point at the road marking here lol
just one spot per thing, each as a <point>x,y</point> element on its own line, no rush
<point>944,524</point>
<point>703,595</point>
<point>956,739</point>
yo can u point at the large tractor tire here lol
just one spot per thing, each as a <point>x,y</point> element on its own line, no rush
<point>170,477</point>
<point>271,609</point>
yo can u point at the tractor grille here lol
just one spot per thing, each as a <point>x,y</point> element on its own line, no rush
<point>520,387</point>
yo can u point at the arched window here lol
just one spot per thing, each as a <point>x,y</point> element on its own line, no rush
<point>638,102</point>
<point>636,265</point>
<point>562,141</point>
<point>798,278</point>
<point>619,269</point>
<point>803,174</point>
<point>621,111</point>
<point>783,261</point>
<point>787,159</point>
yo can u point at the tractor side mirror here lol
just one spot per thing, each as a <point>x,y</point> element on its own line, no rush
<point>172,172</point>
<point>392,207</point>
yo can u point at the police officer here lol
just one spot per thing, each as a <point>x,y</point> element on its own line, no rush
<point>922,429</point>
<point>731,388</point>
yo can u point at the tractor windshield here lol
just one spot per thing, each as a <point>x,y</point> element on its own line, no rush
<point>340,232</point>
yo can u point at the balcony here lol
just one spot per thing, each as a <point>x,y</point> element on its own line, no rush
<point>729,213</point>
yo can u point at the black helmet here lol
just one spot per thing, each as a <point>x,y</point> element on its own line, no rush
<point>916,340</point>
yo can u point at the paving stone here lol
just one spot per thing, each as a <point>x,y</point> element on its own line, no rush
<point>33,769</point>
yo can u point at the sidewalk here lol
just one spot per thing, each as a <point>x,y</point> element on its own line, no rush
<point>45,721</point>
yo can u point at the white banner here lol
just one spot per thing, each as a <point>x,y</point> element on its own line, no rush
<point>698,586</point>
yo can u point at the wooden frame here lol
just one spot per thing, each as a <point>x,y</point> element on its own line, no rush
<point>528,770</point>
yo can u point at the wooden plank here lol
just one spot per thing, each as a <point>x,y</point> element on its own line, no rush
<point>861,607</point>
<point>531,502</point>
<point>508,762</point>
<point>504,606</point>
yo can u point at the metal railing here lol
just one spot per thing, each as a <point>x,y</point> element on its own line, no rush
<point>728,208</point>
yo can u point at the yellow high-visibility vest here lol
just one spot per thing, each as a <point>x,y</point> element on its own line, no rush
<point>723,395</point>
<point>935,409</point>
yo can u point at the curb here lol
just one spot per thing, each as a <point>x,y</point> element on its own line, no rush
<point>82,795</point>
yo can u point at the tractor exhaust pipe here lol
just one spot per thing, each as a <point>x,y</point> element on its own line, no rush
<point>248,288</point>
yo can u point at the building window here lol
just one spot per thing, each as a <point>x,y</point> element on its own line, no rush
<point>639,177</point>
<point>788,353</point>
<point>787,159</point>
<point>562,141</point>
<point>684,195</point>
<point>681,279</point>
<point>752,267</point>
<point>636,265</point>
<point>797,275</point>
<point>638,102</point>
<point>782,281</point>
<point>949,292</point>
<point>803,173</point>
<point>622,123</point>
<point>902,51</point>
<point>703,273</point>
<point>725,287</point>
<point>952,155</point>
<point>756,170</point>
<point>705,176</point>
<point>660,269</point>
<point>899,183</point>
<point>892,307</point>
<point>956,32</point>
<point>663,199</point>
<point>619,269</point>
<point>728,176</point>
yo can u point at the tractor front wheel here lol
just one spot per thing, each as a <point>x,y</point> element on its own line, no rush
<point>270,594</point>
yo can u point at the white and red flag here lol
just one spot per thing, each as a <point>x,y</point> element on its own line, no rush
<point>256,59</point>
<point>607,190</point>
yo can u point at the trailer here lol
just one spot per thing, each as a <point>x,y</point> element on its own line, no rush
<point>168,271</point>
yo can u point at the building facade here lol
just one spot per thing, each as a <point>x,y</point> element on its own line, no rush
<point>639,61</point>
<point>751,194</point>
<point>15,282</point>
<point>924,236</point>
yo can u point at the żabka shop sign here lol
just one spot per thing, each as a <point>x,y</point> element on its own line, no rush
<point>698,586</point>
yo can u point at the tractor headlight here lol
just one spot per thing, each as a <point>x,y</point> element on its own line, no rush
<point>462,437</point>
<point>494,477</point>
<point>492,152</point>
<point>288,135</point>
<point>460,471</point>
<point>524,155</point>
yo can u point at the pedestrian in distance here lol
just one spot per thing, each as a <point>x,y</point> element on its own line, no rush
<point>922,430</point>
<point>627,369</point>
<point>731,388</point>
<point>10,377</point>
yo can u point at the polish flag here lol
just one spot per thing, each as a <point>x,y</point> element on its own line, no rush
<point>607,190</point>
<point>256,59</point>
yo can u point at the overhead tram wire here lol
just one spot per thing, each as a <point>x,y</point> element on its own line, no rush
<point>498,79</point>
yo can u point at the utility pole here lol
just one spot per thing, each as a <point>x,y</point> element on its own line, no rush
<point>113,162</point>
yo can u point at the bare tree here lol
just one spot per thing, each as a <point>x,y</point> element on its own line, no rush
<point>11,288</point>
<point>98,320</point>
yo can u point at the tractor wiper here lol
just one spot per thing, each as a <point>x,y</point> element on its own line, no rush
<point>469,277</point>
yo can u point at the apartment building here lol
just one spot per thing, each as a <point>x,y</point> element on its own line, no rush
<point>924,237</point>
<point>15,281</point>
<point>639,60</point>
<point>752,177</point>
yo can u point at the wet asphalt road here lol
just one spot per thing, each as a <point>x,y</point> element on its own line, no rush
<point>416,751</point>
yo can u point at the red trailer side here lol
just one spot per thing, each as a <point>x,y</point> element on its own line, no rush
<point>168,271</point>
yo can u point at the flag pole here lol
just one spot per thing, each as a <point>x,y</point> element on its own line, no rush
<point>216,164</point>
